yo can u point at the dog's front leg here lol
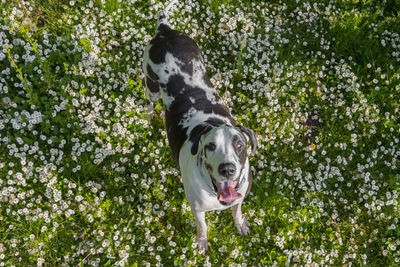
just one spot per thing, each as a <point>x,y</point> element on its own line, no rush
<point>241,222</point>
<point>201,237</point>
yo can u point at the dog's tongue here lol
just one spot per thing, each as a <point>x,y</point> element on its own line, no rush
<point>226,192</point>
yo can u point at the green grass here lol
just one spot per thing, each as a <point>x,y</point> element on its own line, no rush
<point>85,180</point>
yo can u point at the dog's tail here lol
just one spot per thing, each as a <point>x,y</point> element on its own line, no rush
<point>162,17</point>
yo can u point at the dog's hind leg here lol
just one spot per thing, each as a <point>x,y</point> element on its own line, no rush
<point>241,222</point>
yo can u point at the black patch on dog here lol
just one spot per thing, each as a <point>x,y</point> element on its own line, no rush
<point>215,122</point>
<point>182,93</point>
<point>151,73</point>
<point>242,151</point>
<point>250,134</point>
<point>196,134</point>
<point>153,86</point>
<point>179,44</point>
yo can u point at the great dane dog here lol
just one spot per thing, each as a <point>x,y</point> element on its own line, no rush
<point>207,144</point>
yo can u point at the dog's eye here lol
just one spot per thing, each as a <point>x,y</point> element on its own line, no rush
<point>238,145</point>
<point>211,146</point>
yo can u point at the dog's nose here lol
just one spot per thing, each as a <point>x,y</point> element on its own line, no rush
<point>227,169</point>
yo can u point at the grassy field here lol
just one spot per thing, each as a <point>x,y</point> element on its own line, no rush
<point>85,180</point>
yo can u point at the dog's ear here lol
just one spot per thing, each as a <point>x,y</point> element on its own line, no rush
<point>196,134</point>
<point>250,136</point>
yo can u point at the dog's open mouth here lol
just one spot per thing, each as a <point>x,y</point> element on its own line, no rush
<point>226,190</point>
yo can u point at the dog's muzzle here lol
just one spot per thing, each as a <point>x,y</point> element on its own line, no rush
<point>226,190</point>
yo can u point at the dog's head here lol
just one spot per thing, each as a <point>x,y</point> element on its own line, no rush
<point>223,152</point>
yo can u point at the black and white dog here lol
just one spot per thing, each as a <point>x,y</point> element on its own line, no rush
<point>206,143</point>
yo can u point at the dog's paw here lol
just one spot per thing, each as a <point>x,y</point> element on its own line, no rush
<point>202,246</point>
<point>244,228</point>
